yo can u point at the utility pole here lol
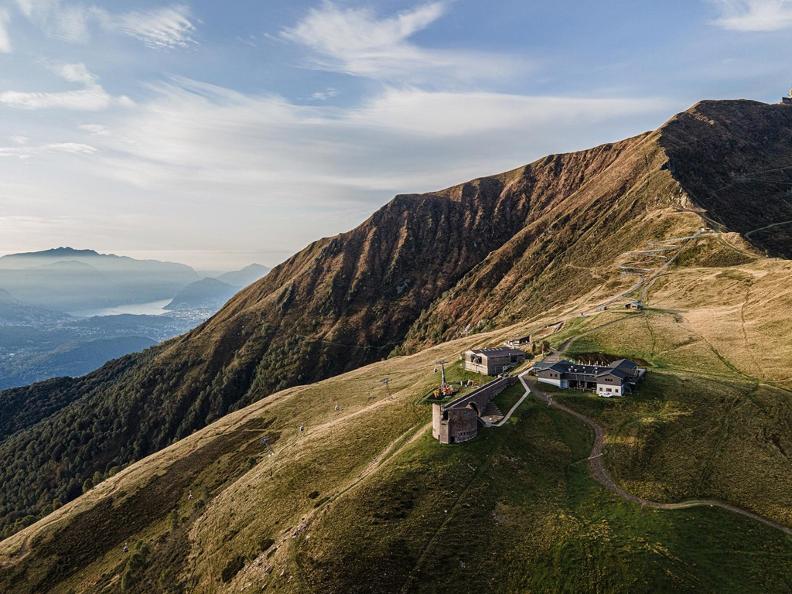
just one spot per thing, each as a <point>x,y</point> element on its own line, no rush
<point>264,441</point>
<point>442,364</point>
<point>386,382</point>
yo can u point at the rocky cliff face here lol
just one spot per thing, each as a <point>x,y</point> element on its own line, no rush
<point>422,269</point>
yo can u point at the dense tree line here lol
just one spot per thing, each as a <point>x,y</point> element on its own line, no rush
<point>64,436</point>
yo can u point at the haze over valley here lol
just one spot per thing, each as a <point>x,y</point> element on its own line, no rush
<point>65,312</point>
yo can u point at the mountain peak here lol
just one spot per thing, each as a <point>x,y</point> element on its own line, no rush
<point>245,276</point>
<point>59,252</point>
<point>732,158</point>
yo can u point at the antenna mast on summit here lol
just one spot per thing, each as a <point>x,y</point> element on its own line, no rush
<point>442,364</point>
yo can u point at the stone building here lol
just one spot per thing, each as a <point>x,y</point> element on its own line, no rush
<point>458,420</point>
<point>493,360</point>
<point>454,425</point>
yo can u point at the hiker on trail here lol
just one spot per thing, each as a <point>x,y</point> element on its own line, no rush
<point>189,495</point>
<point>302,428</point>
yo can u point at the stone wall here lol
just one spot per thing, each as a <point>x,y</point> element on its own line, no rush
<point>457,421</point>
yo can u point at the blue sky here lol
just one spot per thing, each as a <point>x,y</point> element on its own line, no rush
<point>221,133</point>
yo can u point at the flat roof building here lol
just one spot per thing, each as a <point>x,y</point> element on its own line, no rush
<point>516,343</point>
<point>493,360</point>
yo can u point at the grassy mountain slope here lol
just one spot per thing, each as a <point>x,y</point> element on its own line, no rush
<point>734,158</point>
<point>572,244</point>
<point>364,499</point>
<point>340,303</point>
<point>422,269</point>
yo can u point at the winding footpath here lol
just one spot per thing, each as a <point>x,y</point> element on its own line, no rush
<point>603,477</point>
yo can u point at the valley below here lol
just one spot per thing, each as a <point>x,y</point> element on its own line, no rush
<point>49,338</point>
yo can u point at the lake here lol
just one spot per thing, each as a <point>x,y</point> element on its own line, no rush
<point>151,308</point>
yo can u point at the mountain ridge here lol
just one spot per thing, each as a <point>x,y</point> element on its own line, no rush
<point>512,245</point>
<point>244,276</point>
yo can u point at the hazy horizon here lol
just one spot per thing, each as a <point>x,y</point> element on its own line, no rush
<point>223,135</point>
<point>203,261</point>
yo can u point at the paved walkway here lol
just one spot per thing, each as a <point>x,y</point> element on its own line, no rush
<point>513,408</point>
<point>600,473</point>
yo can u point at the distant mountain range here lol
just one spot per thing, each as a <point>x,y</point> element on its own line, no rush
<point>39,340</point>
<point>15,313</point>
<point>247,275</point>
<point>70,280</point>
<point>213,293</point>
<point>207,293</point>
<point>60,252</point>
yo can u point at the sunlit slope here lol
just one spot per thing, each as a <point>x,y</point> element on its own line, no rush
<point>715,416</point>
<point>365,500</point>
<point>423,269</point>
<point>343,302</point>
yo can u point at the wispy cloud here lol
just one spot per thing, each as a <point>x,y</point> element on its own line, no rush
<point>25,151</point>
<point>91,97</point>
<point>58,19</point>
<point>754,15</point>
<point>193,135</point>
<point>5,38</point>
<point>358,42</point>
<point>94,129</point>
<point>76,73</point>
<point>324,95</point>
<point>465,114</point>
<point>158,28</point>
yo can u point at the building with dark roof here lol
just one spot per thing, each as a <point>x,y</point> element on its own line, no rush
<point>493,360</point>
<point>517,342</point>
<point>613,379</point>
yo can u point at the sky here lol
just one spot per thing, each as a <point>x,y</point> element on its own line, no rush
<point>223,133</point>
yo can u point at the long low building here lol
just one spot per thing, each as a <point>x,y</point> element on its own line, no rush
<point>493,360</point>
<point>613,379</point>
